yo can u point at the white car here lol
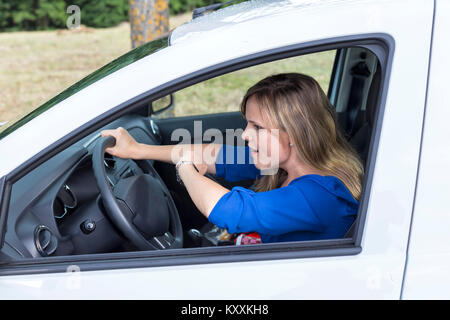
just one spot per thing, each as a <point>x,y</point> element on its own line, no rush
<point>388,84</point>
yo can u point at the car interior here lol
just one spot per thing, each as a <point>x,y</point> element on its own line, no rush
<point>85,201</point>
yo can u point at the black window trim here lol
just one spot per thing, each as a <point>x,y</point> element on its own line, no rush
<point>4,205</point>
<point>381,44</point>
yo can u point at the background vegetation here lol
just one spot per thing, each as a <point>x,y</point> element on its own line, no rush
<point>51,14</point>
<point>36,66</point>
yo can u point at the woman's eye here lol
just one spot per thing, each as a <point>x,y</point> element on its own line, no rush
<point>257,127</point>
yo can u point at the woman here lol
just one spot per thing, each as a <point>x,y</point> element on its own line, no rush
<point>314,185</point>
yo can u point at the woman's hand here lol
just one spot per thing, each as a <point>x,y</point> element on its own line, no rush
<point>204,192</point>
<point>126,147</point>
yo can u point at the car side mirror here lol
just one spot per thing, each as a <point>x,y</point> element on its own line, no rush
<point>162,104</point>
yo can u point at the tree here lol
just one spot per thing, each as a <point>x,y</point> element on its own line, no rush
<point>101,14</point>
<point>149,19</point>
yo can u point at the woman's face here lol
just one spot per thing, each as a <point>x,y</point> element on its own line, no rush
<point>269,146</point>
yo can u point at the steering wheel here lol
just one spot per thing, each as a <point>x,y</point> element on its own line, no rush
<point>140,206</point>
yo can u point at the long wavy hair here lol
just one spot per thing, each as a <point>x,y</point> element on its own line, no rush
<point>297,104</point>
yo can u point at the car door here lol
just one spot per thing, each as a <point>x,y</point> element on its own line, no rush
<point>368,264</point>
<point>427,262</point>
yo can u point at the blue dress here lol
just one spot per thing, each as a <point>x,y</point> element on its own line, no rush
<point>311,207</point>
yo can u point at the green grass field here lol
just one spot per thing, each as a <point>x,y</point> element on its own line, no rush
<point>225,93</point>
<point>36,66</point>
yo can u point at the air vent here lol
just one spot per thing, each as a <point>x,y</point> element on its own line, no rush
<point>109,161</point>
<point>46,243</point>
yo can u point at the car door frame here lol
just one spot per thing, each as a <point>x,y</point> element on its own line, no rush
<point>381,44</point>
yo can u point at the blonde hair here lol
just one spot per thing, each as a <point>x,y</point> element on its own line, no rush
<point>296,104</point>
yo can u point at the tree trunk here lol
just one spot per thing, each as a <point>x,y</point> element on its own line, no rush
<point>149,19</point>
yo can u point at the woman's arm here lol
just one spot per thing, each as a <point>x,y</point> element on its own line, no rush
<point>204,155</point>
<point>204,192</point>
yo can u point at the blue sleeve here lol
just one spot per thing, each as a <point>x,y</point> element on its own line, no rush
<point>234,163</point>
<point>274,212</point>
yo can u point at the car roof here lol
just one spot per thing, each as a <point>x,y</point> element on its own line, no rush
<point>244,12</point>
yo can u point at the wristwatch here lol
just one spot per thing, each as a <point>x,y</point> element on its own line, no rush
<point>178,165</point>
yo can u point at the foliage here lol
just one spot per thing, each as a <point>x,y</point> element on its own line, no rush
<point>51,14</point>
<point>102,14</point>
<point>180,6</point>
<point>32,14</point>
<point>5,13</point>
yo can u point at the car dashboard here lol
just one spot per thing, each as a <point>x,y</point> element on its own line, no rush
<point>56,209</point>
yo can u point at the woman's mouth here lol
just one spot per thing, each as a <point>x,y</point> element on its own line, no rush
<point>253,150</point>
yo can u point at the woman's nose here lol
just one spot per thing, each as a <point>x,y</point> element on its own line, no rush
<point>245,134</point>
<point>249,134</point>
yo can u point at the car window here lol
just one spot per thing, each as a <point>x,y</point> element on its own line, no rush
<point>119,63</point>
<point>224,93</point>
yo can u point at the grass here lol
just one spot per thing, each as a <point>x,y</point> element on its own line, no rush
<point>36,66</point>
<point>224,93</point>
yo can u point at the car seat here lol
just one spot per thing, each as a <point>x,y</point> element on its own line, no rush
<point>360,139</point>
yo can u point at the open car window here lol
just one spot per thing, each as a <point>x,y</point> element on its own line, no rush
<point>117,64</point>
<point>224,93</point>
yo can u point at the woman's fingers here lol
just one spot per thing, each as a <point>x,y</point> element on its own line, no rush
<point>202,168</point>
<point>110,133</point>
<point>116,133</point>
<point>124,142</point>
<point>106,133</point>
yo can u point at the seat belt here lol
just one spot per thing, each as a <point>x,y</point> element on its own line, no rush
<point>360,73</point>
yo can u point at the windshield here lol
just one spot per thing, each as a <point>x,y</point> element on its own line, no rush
<point>128,58</point>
